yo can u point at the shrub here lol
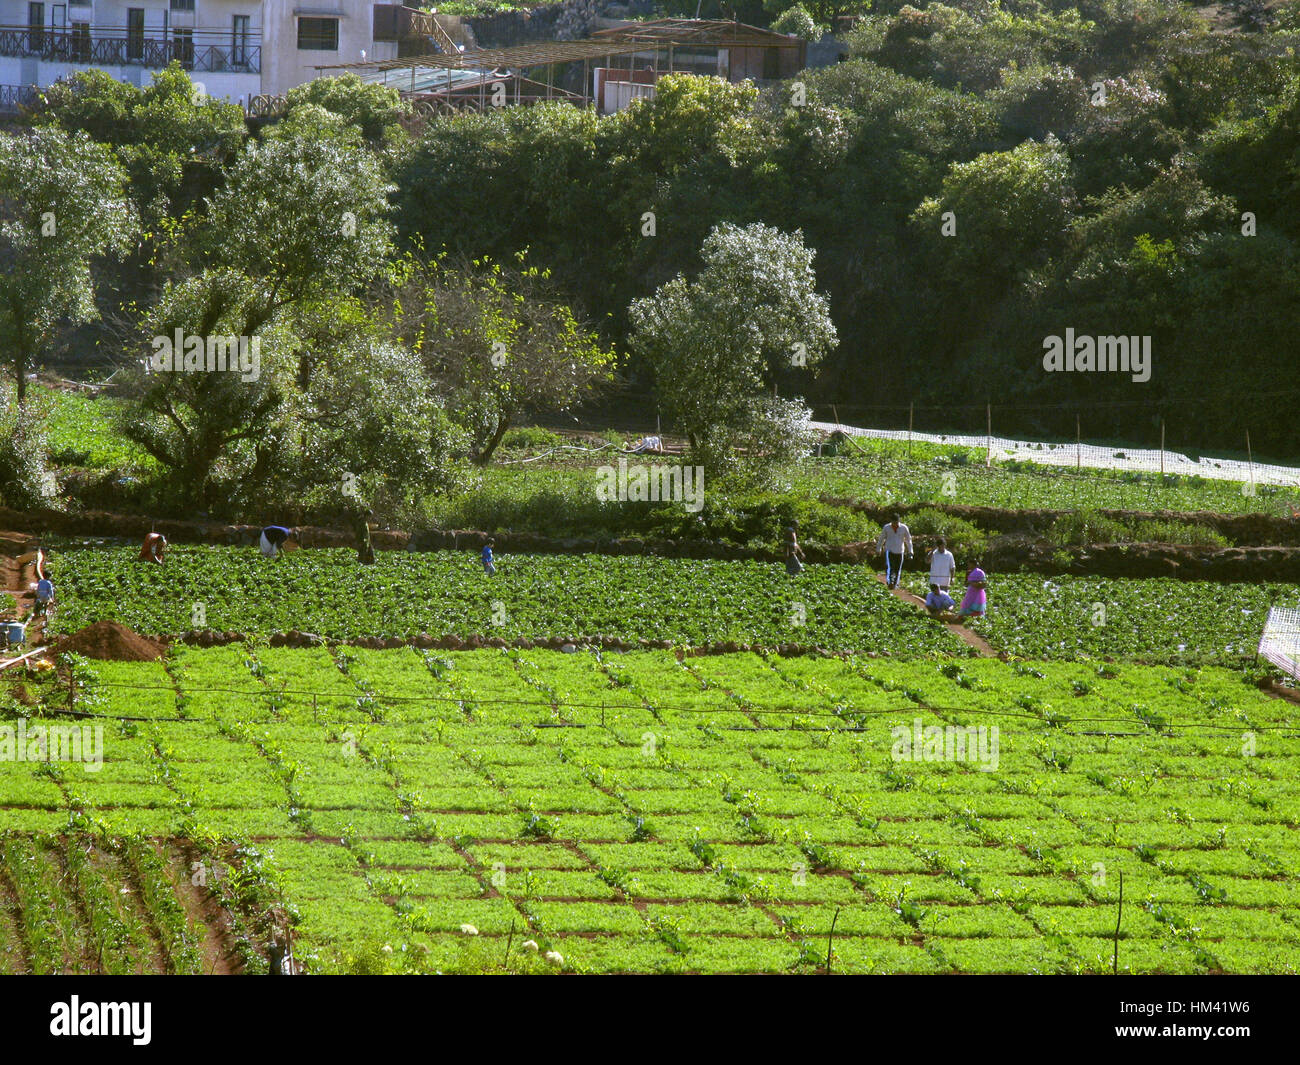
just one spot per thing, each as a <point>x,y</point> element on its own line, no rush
<point>963,537</point>
<point>26,481</point>
<point>531,439</point>
<point>1083,527</point>
<point>797,21</point>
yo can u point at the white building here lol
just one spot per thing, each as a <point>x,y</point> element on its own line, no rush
<point>236,49</point>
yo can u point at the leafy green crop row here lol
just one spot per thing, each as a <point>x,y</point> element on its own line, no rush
<point>1152,620</point>
<point>326,592</point>
<point>636,813</point>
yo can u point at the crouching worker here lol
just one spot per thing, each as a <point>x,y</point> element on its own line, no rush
<point>938,601</point>
<point>275,538</point>
<point>154,548</point>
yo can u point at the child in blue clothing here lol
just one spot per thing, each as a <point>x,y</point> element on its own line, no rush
<point>488,566</point>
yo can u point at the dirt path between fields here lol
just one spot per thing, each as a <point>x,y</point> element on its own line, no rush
<point>17,579</point>
<point>981,646</point>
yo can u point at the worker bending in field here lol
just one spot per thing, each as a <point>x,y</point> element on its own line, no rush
<point>154,548</point>
<point>896,541</point>
<point>274,538</point>
<point>647,445</point>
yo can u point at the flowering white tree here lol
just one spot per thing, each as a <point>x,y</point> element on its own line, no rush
<point>718,341</point>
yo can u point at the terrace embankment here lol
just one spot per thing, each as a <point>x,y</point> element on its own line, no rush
<point>1018,548</point>
<point>1262,529</point>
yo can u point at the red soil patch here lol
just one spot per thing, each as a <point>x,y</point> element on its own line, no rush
<point>107,640</point>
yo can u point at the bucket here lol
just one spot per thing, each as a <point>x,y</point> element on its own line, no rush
<point>15,631</point>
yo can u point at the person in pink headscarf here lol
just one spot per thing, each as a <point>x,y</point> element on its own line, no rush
<point>976,600</point>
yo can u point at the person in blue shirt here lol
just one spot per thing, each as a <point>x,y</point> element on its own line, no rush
<point>938,601</point>
<point>44,595</point>
<point>489,567</point>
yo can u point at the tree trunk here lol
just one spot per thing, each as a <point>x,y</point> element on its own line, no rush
<point>485,456</point>
<point>20,370</point>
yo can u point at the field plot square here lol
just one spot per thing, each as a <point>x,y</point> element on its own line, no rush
<point>883,956</point>
<point>562,918</point>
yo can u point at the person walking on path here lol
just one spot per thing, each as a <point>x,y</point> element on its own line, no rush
<point>489,565</point>
<point>976,600</point>
<point>943,567</point>
<point>154,548</point>
<point>44,595</point>
<point>793,552</point>
<point>896,541</point>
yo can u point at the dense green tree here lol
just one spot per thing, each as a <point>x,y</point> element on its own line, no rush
<point>717,341</point>
<point>374,110</point>
<point>62,204</point>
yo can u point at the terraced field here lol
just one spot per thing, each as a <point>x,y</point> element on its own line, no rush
<point>446,592</point>
<point>687,602</point>
<point>634,812</point>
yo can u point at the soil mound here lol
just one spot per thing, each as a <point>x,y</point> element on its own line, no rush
<point>111,641</point>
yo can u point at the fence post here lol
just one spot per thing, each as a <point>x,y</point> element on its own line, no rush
<point>910,408</point>
<point>988,452</point>
<point>1162,449</point>
<point>1250,461</point>
<point>1078,445</point>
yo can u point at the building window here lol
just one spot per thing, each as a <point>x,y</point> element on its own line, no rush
<point>318,35</point>
<point>182,5</point>
<point>36,27</point>
<point>183,47</point>
<point>81,42</point>
<point>135,33</point>
<point>239,41</point>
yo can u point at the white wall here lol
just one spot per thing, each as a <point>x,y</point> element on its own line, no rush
<point>284,66</point>
<point>273,27</point>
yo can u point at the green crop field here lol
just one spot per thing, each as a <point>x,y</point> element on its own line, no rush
<point>688,602</point>
<point>636,812</point>
<point>327,593</point>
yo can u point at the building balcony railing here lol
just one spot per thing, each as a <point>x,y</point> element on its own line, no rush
<point>15,97</point>
<point>93,49</point>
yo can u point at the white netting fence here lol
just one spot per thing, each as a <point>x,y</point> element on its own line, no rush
<point>1280,643</point>
<point>1092,456</point>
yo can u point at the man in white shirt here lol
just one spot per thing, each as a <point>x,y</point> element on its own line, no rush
<point>896,541</point>
<point>943,567</point>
